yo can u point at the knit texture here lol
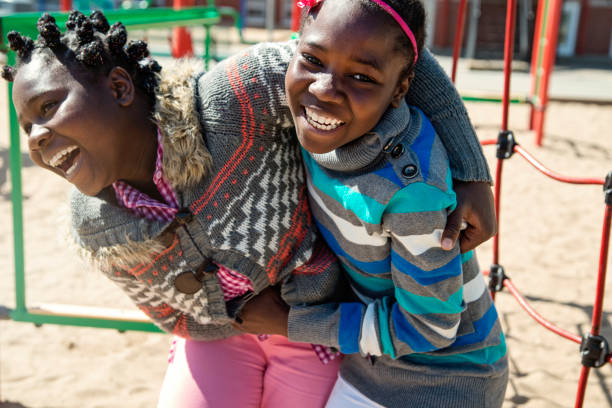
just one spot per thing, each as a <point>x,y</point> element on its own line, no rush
<point>420,305</point>
<point>236,167</point>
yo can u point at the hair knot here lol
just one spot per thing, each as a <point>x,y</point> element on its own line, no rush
<point>49,31</point>
<point>99,21</point>
<point>116,38</point>
<point>75,19</point>
<point>21,44</point>
<point>8,73</point>
<point>91,54</point>
<point>137,50</point>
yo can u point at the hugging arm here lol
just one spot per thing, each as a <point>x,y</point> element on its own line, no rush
<point>432,91</point>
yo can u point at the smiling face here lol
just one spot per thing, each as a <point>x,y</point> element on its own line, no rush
<point>75,128</point>
<point>344,75</point>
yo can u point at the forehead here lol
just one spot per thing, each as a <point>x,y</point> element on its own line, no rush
<point>346,26</point>
<point>39,74</point>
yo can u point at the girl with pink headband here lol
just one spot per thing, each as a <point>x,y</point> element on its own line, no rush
<point>422,330</point>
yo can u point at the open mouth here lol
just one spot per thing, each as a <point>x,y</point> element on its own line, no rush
<point>321,122</point>
<point>65,160</point>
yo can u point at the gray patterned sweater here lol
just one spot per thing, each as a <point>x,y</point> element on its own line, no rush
<point>231,155</point>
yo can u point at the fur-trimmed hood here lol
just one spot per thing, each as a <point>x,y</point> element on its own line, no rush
<point>186,158</point>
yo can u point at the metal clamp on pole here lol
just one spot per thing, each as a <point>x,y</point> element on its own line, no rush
<point>505,144</point>
<point>497,276</point>
<point>594,350</point>
<point>608,188</point>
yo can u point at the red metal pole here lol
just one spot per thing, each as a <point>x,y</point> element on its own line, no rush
<point>508,53</point>
<point>598,305</point>
<point>181,39</point>
<point>458,36</point>
<point>551,31</point>
<point>65,5</point>
<point>296,14</point>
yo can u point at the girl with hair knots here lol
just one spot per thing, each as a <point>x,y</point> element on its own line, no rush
<point>423,331</point>
<point>191,196</point>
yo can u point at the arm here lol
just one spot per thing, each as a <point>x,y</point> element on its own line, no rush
<point>424,312</point>
<point>433,92</point>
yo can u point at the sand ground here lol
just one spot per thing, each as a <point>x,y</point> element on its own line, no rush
<point>550,237</point>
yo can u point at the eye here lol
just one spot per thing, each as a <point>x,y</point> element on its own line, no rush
<point>312,59</point>
<point>363,78</point>
<point>27,128</point>
<point>47,106</point>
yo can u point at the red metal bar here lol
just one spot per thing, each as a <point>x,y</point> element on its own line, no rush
<point>548,62</point>
<point>538,317</point>
<point>556,176</point>
<point>535,55</point>
<point>296,14</point>
<point>598,305</point>
<point>65,5</point>
<point>458,37</point>
<point>508,54</point>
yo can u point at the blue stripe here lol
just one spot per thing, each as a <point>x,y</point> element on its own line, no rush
<point>388,173</point>
<point>425,278</point>
<point>421,305</point>
<point>364,207</point>
<point>487,355</point>
<point>482,328</point>
<point>421,197</point>
<point>423,144</point>
<point>408,334</point>
<point>350,327</point>
<point>374,267</point>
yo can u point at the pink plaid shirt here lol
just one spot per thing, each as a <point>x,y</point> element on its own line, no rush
<point>233,284</point>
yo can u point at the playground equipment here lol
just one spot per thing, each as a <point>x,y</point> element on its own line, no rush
<point>594,348</point>
<point>543,56</point>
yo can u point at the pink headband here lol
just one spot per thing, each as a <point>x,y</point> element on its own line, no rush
<point>384,6</point>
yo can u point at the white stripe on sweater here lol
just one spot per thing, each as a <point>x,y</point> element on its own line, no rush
<point>355,234</point>
<point>368,344</point>
<point>418,244</point>
<point>474,289</point>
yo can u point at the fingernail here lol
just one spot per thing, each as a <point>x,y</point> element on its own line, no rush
<point>447,244</point>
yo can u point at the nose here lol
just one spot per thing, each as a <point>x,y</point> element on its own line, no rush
<point>326,88</point>
<point>38,137</point>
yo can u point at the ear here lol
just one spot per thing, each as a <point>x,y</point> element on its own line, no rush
<point>401,89</point>
<point>122,86</point>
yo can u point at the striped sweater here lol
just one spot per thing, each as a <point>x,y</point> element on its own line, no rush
<point>381,204</point>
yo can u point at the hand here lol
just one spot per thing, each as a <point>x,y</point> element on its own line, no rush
<point>266,313</point>
<point>475,206</point>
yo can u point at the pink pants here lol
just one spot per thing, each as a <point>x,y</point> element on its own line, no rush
<point>246,372</point>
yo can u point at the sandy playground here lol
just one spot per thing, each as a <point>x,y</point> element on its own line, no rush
<point>550,235</point>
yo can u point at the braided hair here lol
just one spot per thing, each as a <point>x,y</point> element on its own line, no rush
<point>89,45</point>
<point>413,14</point>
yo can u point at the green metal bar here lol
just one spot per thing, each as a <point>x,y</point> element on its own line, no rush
<point>16,198</point>
<point>121,325</point>
<point>140,19</point>
<point>492,99</point>
<point>207,42</point>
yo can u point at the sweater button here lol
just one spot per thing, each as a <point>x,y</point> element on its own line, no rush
<point>410,171</point>
<point>397,151</point>
<point>187,283</point>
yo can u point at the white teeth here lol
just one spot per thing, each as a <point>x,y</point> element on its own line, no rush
<point>60,156</point>
<point>320,121</point>
<point>71,169</point>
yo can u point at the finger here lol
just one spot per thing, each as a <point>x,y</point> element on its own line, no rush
<point>470,239</point>
<point>452,230</point>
